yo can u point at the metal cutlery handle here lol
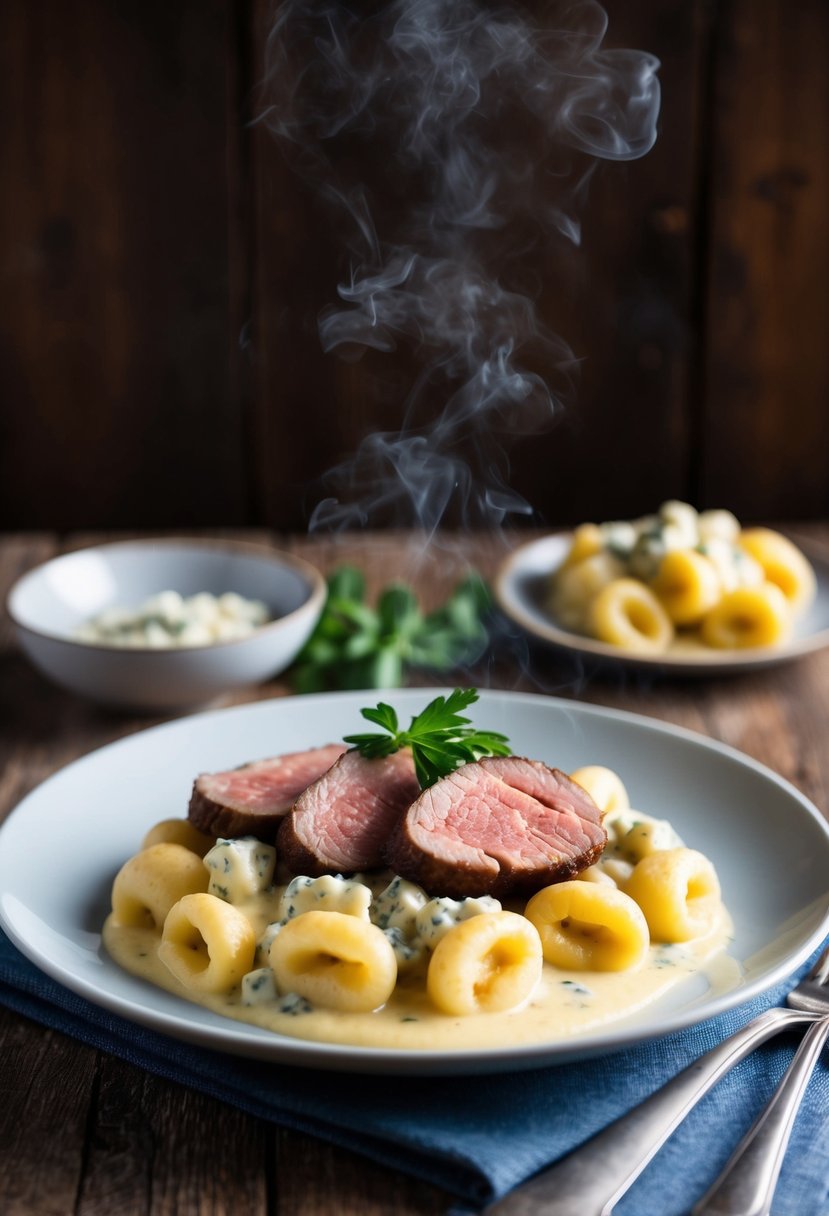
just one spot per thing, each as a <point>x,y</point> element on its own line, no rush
<point>746,1185</point>
<point>590,1180</point>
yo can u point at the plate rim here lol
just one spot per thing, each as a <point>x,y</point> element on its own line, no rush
<point>718,662</point>
<point>242,1039</point>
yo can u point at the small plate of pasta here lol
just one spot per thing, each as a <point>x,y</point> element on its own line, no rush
<point>691,879</point>
<point>679,591</point>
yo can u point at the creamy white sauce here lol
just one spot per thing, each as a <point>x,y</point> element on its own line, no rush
<point>565,1004</point>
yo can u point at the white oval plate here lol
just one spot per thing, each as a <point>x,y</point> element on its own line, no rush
<point>520,590</point>
<point>64,843</point>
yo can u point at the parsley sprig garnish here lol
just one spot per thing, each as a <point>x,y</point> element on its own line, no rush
<point>441,739</point>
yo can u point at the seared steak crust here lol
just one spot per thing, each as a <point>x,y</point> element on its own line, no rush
<point>341,823</point>
<point>501,826</point>
<point>251,800</point>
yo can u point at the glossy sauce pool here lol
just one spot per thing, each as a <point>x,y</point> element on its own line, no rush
<point>565,1004</point>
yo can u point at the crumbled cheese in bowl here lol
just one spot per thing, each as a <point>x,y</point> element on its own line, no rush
<point>168,620</point>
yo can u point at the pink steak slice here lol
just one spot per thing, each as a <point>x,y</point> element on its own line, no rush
<point>500,826</point>
<point>251,800</point>
<point>342,822</point>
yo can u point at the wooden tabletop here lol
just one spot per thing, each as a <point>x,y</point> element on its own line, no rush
<point>85,1133</point>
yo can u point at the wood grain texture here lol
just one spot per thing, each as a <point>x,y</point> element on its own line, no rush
<point>165,265</point>
<point>766,397</point>
<point>123,1142</point>
<point>625,301</point>
<point>159,1148</point>
<point>47,1084</point>
<point>117,321</point>
<point>310,1175</point>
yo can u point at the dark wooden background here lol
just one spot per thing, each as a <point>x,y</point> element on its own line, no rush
<point>162,271</point>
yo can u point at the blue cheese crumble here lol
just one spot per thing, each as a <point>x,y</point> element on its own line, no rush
<point>409,952</point>
<point>240,869</point>
<point>631,836</point>
<point>331,893</point>
<point>395,911</point>
<point>259,987</point>
<point>294,1004</point>
<point>396,907</point>
<point>263,946</point>
<point>169,620</point>
<point>434,920</point>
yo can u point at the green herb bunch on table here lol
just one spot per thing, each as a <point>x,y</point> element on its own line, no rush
<point>357,645</point>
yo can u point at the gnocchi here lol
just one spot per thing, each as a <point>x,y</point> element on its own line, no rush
<point>488,963</point>
<point>604,786</point>
<point>353,959</point>
<point>680,578</point>
<point>678,892</point>
<point>589,927</point>
<point>335,960</point>
<point>179,831</point>
<point>580,582</point>
<point>149,884</point>
<point>748,617</point>
<point>207,944</point>
<point>627,614</point>
<point>782,564</point>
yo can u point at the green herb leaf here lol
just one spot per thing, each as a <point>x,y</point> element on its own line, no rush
<point>398,612</point>
<point>355,613</point>
<point>382,715</point>
<point>309,678</point>
<point>357,646</point>
<point>440,737</point>
<point>346,583</point>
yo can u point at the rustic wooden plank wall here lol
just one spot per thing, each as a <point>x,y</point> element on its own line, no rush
<point>118,362</point>
<point>163,269</point>
<point>766,390</point>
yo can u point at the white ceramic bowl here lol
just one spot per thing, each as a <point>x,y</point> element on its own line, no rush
<point>50,602</point>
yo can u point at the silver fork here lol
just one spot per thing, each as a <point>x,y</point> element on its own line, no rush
<point>591,1180</point>
<point>746,1185</point>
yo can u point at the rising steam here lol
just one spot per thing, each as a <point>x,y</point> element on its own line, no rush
<point>481,124</point>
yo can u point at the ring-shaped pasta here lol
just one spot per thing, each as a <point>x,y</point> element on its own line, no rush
<point>334,960</point>
<point>783,564</point>
<point>687,585</point>
<point>587,540</point>
<point>179,831</point>
<point>147,886</point>
<point>207,944</point>
<point>626,613</point>
<point>605,787</point>
<point>748,617</point>
<point>587,926</point>
<point>486,964</point>
<point>575,586</point>
<point>679,893</point>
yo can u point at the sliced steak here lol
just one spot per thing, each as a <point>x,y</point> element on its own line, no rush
<point>500,826</point>
<point>251,800</point>
<point>342,822</point>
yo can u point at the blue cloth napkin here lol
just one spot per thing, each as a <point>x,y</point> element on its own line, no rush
<point>478,1137</point>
